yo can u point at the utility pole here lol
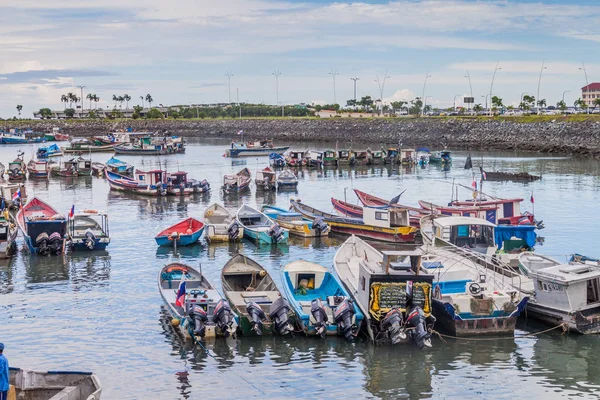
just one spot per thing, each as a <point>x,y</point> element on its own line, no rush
<point>237,90</point>
<point>381,87</point>
<point>276,74</point>
<point>229,74</point>
<point>423,95</point>
<point>539,82</point>
<point>492,86</point>
<point>470,86</point>
<point>355,79</point>
<point>333,73</point>
<point>81,87</point>
<point>587,85</point>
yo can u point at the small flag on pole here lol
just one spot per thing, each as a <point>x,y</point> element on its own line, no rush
<point>72,212</point>
<point>17,195</point>
<point>531,199</point>
<point>483,175</point>
<point>180,299</point>
<point>474,184</point>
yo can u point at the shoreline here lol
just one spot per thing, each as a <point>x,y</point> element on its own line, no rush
<point>556,135</point>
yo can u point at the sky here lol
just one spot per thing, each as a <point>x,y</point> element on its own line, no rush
<point>179,51</point>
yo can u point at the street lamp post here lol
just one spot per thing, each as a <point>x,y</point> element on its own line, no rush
<point>355,79</point>
<point>455,96</point>
<point>539,82</point>
<point>237,91</point>
<point>283,103</point>
<point>81,87</point>
<point>423,95</point>
<point>563,96</point>
<point>333,73</point>
<point>381,85</point>
<point>492,85</point>
<point>470,86</point>
<point>229,74</point>
<point>276,74</point>
<point>486,100</point>
<point>425,102</point>
<point>587,85</point>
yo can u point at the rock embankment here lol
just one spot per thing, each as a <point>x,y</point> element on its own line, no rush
<point>555,136</point>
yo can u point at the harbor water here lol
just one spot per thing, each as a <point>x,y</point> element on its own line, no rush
<point>103,312</point>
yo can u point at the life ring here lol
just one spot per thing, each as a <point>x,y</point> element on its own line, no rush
<point>90,211</point>
<point>176,268</point>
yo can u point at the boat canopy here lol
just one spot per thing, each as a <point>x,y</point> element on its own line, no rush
<point>507,232</point>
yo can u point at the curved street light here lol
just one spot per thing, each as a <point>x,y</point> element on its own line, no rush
<point>423,95</point>
<point>492,85</point>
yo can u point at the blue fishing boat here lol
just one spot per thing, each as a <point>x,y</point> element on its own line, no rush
<point>49,151</point>
<point>88,230</point>
<point>315,294</point>
<point>262,148</point>
<point>295,223</point>
<point>183,233</point>
<point>43,227</point>
<point>119,167</point>
<point>259,227</point>
<point>276,160</point>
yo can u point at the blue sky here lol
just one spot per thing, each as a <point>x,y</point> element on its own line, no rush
<point>179,51</point>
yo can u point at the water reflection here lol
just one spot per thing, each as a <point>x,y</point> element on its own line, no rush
<point>76,268</point>
<point>193,251</point>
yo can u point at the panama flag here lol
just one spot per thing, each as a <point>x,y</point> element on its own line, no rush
<point>180,300</point>
<point>474,184</point>
<point>72,212</point>
<point>17,194</point>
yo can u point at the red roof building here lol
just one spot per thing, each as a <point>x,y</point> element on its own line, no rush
<point>590,92</point>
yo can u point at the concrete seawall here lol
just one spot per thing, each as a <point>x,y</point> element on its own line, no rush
<point>553,136</point>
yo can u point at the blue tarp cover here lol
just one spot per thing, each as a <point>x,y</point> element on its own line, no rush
<point>525,232</point>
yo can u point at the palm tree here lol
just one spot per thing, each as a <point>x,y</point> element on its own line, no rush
<point>596,103</point>
<point>96,100</point>
<point>115,99</point>
<point>120,99</point>
<point>142,97</point>
<point>64,99</point>
<point>541,103</point>
<point>71,98</point>
<point>561,105</point>
<point>149,99</point>
<point>90,97</point>
<point>478,108</point>
<point>127,98</point>
<point>19,108</point>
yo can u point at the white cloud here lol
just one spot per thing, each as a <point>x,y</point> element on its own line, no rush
<point>400,95</point>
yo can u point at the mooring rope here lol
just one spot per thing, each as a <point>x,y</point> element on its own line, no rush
<point>564,326</point>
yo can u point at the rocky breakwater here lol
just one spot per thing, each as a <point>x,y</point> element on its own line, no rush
<point>549,136</point>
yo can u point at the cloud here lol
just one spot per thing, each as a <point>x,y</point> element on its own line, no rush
<point>207,85</point>
<point>400,95</point>
<point>51,75</point>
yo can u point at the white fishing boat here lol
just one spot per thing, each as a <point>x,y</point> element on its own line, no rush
<point>287,180</point>
<point>221,225</point>
<point>54,385</point>
<point>259,227</point>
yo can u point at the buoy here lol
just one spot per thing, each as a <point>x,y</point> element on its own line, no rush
<point>262,273</point>
<point>189,231</point>
<point>175,322</point>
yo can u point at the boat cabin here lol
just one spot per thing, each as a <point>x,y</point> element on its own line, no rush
<point>329,156</point>
<point>83,164</point>
<point>473,233</point>
<point>408,156</point>
<point>261,144</point>
<point>178,178</point>
<point>314,155</point>
<point>155,177</point>
<point>386,217</point>
<point>508,211</point>
<point>343,156</point>
<point>361,157</point>
<point>296,155</point>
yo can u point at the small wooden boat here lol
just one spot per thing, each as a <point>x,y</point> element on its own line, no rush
<point>55,385</point>
<point>391,156</point>
<point>88,230</point>
<point>394,297</point>
<point>38,169</point>
<point>287,180</point>
<point>17,169</point>
<point>178,184</point>
<point>388,225</point>
<point>261,148</point>
<point>318,299</point>
<point>296,159</point>
<point>259,227</point>
<point>98,168</point>
<point>265,179</point>
<point>375,157</point>
<point>294,222</point>
<point>408,156</point>
<point>221,225</point>
<point>423,155</point>
<point>43,228</point>
<point>150,146</point>
<point>344,157</point>
<point>49,151</point>
<point>441,157</point>
<point>511,176</point>
<point>183,233</point>
<point>82,145</point>
<point>276,160</point>
<point>314,159</point>
<point>149,183</point>
<point>330,158</point>
<point>84,165</point>
<point>194,303</point>
<point>66,169</point>
<point>254,297</point>
<point>360,158</point>
<point>14,194</point>
<point>119,167</point>
<point>8,235</point>
<point>238,182</point>
<point>354,211</point>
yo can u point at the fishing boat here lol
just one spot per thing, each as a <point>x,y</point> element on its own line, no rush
<point>17,169</point>
<point>257,226</point>
<point>488,213</point>
<point>56,135</point>
<point>265,179</point>
<point>423,155</point>
<point>347,209</point>
<point>88,230</point>
<point>260,148</point>
<point>330,158</point>
<point>66,168</point>
<point>319,300</point>
<point>18,136</point>
<point>178,184</point>
<point>441,157</point>
<point>49,151</point>
<point>238,182</point>
<point>119,167</point>
<point>344,157</point>
<point>360,158</point>
<point>197,309</point>
<point>314,159</point>
<point>295,159</point>
<point>43,228</point>
<point>369,200</point>
<point>151,146</point>
<point>585,260</point>
<point>8,235</point>
<point>84,165</point>
<point>276,160</point>
<point>287,180</point>
<point>38,169</point>
<point>394,297</point>
<point>294,222</point>
<point>83,145</point>
<point>387,225</point>
<point>183,233</point>
<point>391,156</point>
<point>511,176</point>
<point>221,225</point>
<point>55,385</point>
<point>407,157</point>
<point>254,297</point>
<point>375,157</point>
<point>564,293</point>
<point>150,183</point>
<point>14,194</point>
<point>98,168</point>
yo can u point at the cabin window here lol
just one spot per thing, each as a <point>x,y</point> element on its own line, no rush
<point>381,216</point>
<point>540,285</point>
<point>363,282</point>
<point>593,291</point>
<point>141,177</point>
<point>508,210</point>
<point>462,231</point>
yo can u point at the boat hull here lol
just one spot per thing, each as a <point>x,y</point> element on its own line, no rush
<point>88,149</point>
<point>256,152</point>
<point>263,236</point>
<point>146,152</point>
<point>79,245</point>
<point>586,323</point>
<point>302,230</point>
<point>184,240</point>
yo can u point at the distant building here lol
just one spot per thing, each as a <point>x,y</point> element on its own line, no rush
<point>590,92</point>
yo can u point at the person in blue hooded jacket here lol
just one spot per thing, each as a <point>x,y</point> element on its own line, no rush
<point>3,374</point>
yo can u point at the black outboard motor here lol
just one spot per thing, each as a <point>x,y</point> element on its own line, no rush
<point>392,324</point>
<point>278,312</point>
<point>320,226</point>
<point>199,317</point>
<point>257,315</point>
<point>233,230</point>
<point>317,309</point>
<point>41,243</point>
<point>343,318</point>
<point>204,186</point>
<point>276,233</point>
<point>55,243</point>
<point>223,317</point>
<point>90,239</point>
<point>416,319</point>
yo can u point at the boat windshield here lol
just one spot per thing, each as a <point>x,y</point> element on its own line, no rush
<point>477,237</point>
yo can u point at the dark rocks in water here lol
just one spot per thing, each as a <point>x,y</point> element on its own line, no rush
<point>511,176</point>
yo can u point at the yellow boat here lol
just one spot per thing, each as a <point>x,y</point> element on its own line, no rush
<point>294,222</point>
<point>221,225</point>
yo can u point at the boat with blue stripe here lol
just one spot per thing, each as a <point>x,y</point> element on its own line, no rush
<point>119,167</point>
<point>43,228</point>
<point>257,226</point>
<point>295,223</point>
<point>261,148</point>
<point>49,151</point>
<point>183,233</point>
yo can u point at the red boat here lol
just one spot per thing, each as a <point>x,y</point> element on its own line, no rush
<point>185,233</point>
<point>372,201</point>
<point>355,211</point>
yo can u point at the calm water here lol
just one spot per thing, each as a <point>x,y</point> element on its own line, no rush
<point>103,312</point>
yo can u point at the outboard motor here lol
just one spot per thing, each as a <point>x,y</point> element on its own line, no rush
<point>392,324</point>
<point>317,309</point>
<point>257,315</point>
<point>416,319</point>
<point>233,230</point>
<point>90,239</point>
<point>199,317</point>
<point>278,312</point>
<point>41,243</point>
<point>223,317</point>
<point>276,233</point>
<point>343,318</point>
<point>55,242</point>
<point>320,226</point>
<point>204,186</point>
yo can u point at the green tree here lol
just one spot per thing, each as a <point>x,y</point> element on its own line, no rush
<point>541,103</point>
<point>45,113</point>
<point>92,114</point>
<point>115,99</point>
<point>367,102</point>
<point>397,105</point>
<point>70,112</point>
<point>71,97</point>
<point>96,100</point>
<point>580,103</point>
<point>351,103</point>
<point>415,106</point>
<point>64,99</point>
<point>529,101</point>
<point>126,97</point>
<point>19,109</point>
<point>596,103</point>
<point>477,108</point>
<point>154,113</point>
<point>561,105</point>
<point>496,103</point>
<point>149,99</point>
